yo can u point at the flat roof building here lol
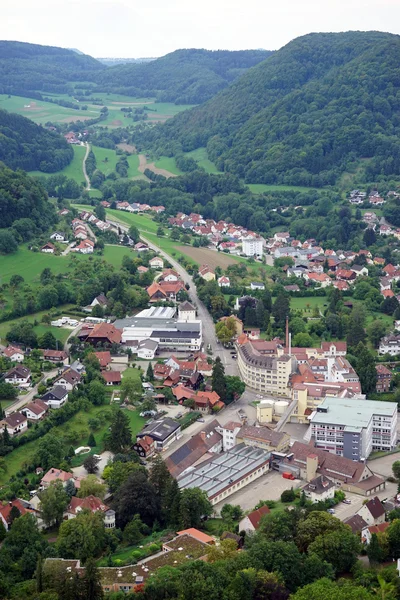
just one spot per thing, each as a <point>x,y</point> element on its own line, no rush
<point>353,428</point>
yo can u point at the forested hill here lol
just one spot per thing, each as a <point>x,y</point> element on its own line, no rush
<point>25,145</point>
<point>303,116</point>
<point>28,67</point>
<point>185,76</point>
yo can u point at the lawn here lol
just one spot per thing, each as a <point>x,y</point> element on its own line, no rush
<point>201,157</point>
<point>115,254</point>
<point>308,304</point>
<point>73,171</point>
<point>142,222</point>
<point>106,159</point>
<point>168,164</point>
<point>131,373</point>
<point>59,333</point>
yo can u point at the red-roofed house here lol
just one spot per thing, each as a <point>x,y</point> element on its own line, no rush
<point>367,532</point>
<point>48,248</point>
<point>104,359</point>
<point>112,377</point>
<point>35,410</point>
<point>59,475</point>
<point>14,353</point>
<point>5,511</point>
<point>145,446</point>
<point>104,333</point>
<point>91,503</point>
<point>207,401</point>
<point>373,512</point>
<point>252,521</point>
<point>384,378</point>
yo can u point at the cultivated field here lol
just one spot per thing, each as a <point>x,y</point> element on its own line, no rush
<point>41,112</point>
<point>204,256</point>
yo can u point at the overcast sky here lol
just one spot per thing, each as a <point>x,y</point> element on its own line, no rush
<point>129,28</point>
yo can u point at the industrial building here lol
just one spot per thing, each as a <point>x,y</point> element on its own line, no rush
<point>354,428</point>
<point>227,473</point>
<point>160,324</point>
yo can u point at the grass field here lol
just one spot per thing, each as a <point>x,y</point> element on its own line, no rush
<point>106,159</point>
<point>261,188</point>
<point>41,112</point>
<point>73,171</point>
<point>201,157</point>
<point>59,333</point>
<point>168,164</point>
<point>308,304</point>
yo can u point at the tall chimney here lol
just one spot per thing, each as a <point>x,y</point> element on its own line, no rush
<point>290,344</point>
<point>287,332</point>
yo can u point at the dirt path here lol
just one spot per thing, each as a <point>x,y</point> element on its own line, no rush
<point>84,167</point>
<point>143,165</point>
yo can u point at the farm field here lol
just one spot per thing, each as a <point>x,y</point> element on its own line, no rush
<point>201,157</point>
<point>212,258</point>
<point>142,222</point>
<point>40,112</point>
<point>73,171</point>
<point>168,164</point>
<point>106,159</point>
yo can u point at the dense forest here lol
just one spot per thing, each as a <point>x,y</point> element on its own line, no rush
<point>24,209</point>
<point>306,114</point>
<point>30,67</point>
<point>185,76</point>
<point>25,145</point>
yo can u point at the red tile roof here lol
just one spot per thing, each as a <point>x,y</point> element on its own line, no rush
<point>104,358</point>
<point>111,376</point>
<point>105,330</point>
<point>256,516</point>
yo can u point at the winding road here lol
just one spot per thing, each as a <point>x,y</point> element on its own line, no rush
<point>209,337</point>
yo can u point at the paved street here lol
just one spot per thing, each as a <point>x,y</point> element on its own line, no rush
<point>105,457</point>
<point>26,398</point>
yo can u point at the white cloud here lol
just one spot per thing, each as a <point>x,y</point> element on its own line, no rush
<point>131,28</point>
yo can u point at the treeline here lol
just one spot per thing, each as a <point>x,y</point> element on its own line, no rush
<point>25,210</point>
<point>189,76</point>
<point>305,115</point>
<point>25,145</point>
<point>28,67</point>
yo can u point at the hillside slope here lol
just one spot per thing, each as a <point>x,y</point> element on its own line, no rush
<point>303,116</point>
<point>185,76</point>
<point>27,67</point>
<point>25,145</point>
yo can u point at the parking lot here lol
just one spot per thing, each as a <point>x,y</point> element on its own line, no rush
<point>268,487</point>
<point>383,466</point>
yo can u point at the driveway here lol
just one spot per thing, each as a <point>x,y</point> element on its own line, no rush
<point>105,457</point>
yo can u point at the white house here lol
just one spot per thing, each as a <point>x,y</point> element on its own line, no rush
<point>156,262</point>
<point>48,248</point>
<point>18,375</point>
<point>58,237</point>
<point>35,410</point>
<point>390,344</point>
<point>255,285</point>
<point>14,354</point>
<point>14,423</point>
<point>56,397</point>
<point>252,521</point>
<point>224,281</point>
<point>229,433</point>
<point>373,512</point>
<point>186,312</point>
<point>147,349</point>
<point>169,275</point>
<point>320,489</point>
<point>68,379</point>
<point>252,246</point>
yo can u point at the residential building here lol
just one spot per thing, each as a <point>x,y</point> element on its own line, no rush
<point>373,512</point>
<point>356,523</point>
<point>91,503</point>
<point>252,246</point>
<point>5,511</point>
<point>145,447</point>
<point>354,428</point>
<point>306,461</point>
<point>206,273</point>
<point>162,431</point>
<point>264,438</point>
<point>58,237</point>
<point>228,472</point>
<point>206,402</point>
<point>104,359</point>
<point>111,377</point>
<point>390,344</point>
<point>86,246</point>
<point>384,378</point>
<point>35,410</point>
<point>147,349</point>
<point>56,397</point>
<point>104,334</point>
<point>59,475</point>
<point>68,379</point>
<point>320,489</point>
<point>224,281</point>
<point>186,312</point>
<point>251,522</point>
<point>100,300</point>
<point>19,376</point>
<point>169,275</point>
<point>48,248</point>
<point>257,285</point>
<point>156,262</point>
<point>14,423</point>
<point>55,356</point>
<point>197,449</point>
<point>14,353</point>
<point>366,533</point>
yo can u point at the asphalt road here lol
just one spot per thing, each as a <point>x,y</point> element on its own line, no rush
<point>26,398</point>
<point>209,337</point>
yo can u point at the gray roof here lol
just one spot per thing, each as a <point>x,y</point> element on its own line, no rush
<point>352,413</point>
<point>149,344</point>
<point>56,393</point>
<point>225,469</point>
<point>319,485</point>
<point>185,306</point>
<point>160,430</point>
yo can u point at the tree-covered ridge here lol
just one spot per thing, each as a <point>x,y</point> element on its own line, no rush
<point>23,203</point>
<point>25,145</point>
<point>25,67</point>
<point>303,116</point>
<point>189,76</point>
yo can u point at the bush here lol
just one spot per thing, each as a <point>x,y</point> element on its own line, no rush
<point>288,495</point>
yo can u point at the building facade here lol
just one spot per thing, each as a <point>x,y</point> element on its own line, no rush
<point>265,373</point>
<point>252,246</point>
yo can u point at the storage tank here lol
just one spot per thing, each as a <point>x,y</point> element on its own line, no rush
<point>267,402</point>
<point>280,407</point>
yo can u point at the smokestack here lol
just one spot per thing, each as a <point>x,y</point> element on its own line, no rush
<point>290,344</point>
<point>287,332</point>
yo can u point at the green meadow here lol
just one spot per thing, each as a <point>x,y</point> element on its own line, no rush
<point>73,171</point>
<point>201,157</point>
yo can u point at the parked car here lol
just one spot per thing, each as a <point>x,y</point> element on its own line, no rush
<point>234,355</point>
<point>201,420</point>
<point>331,511</point>
<point>179,415</point>
<point>148,413</point>
<point>346,501</point>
